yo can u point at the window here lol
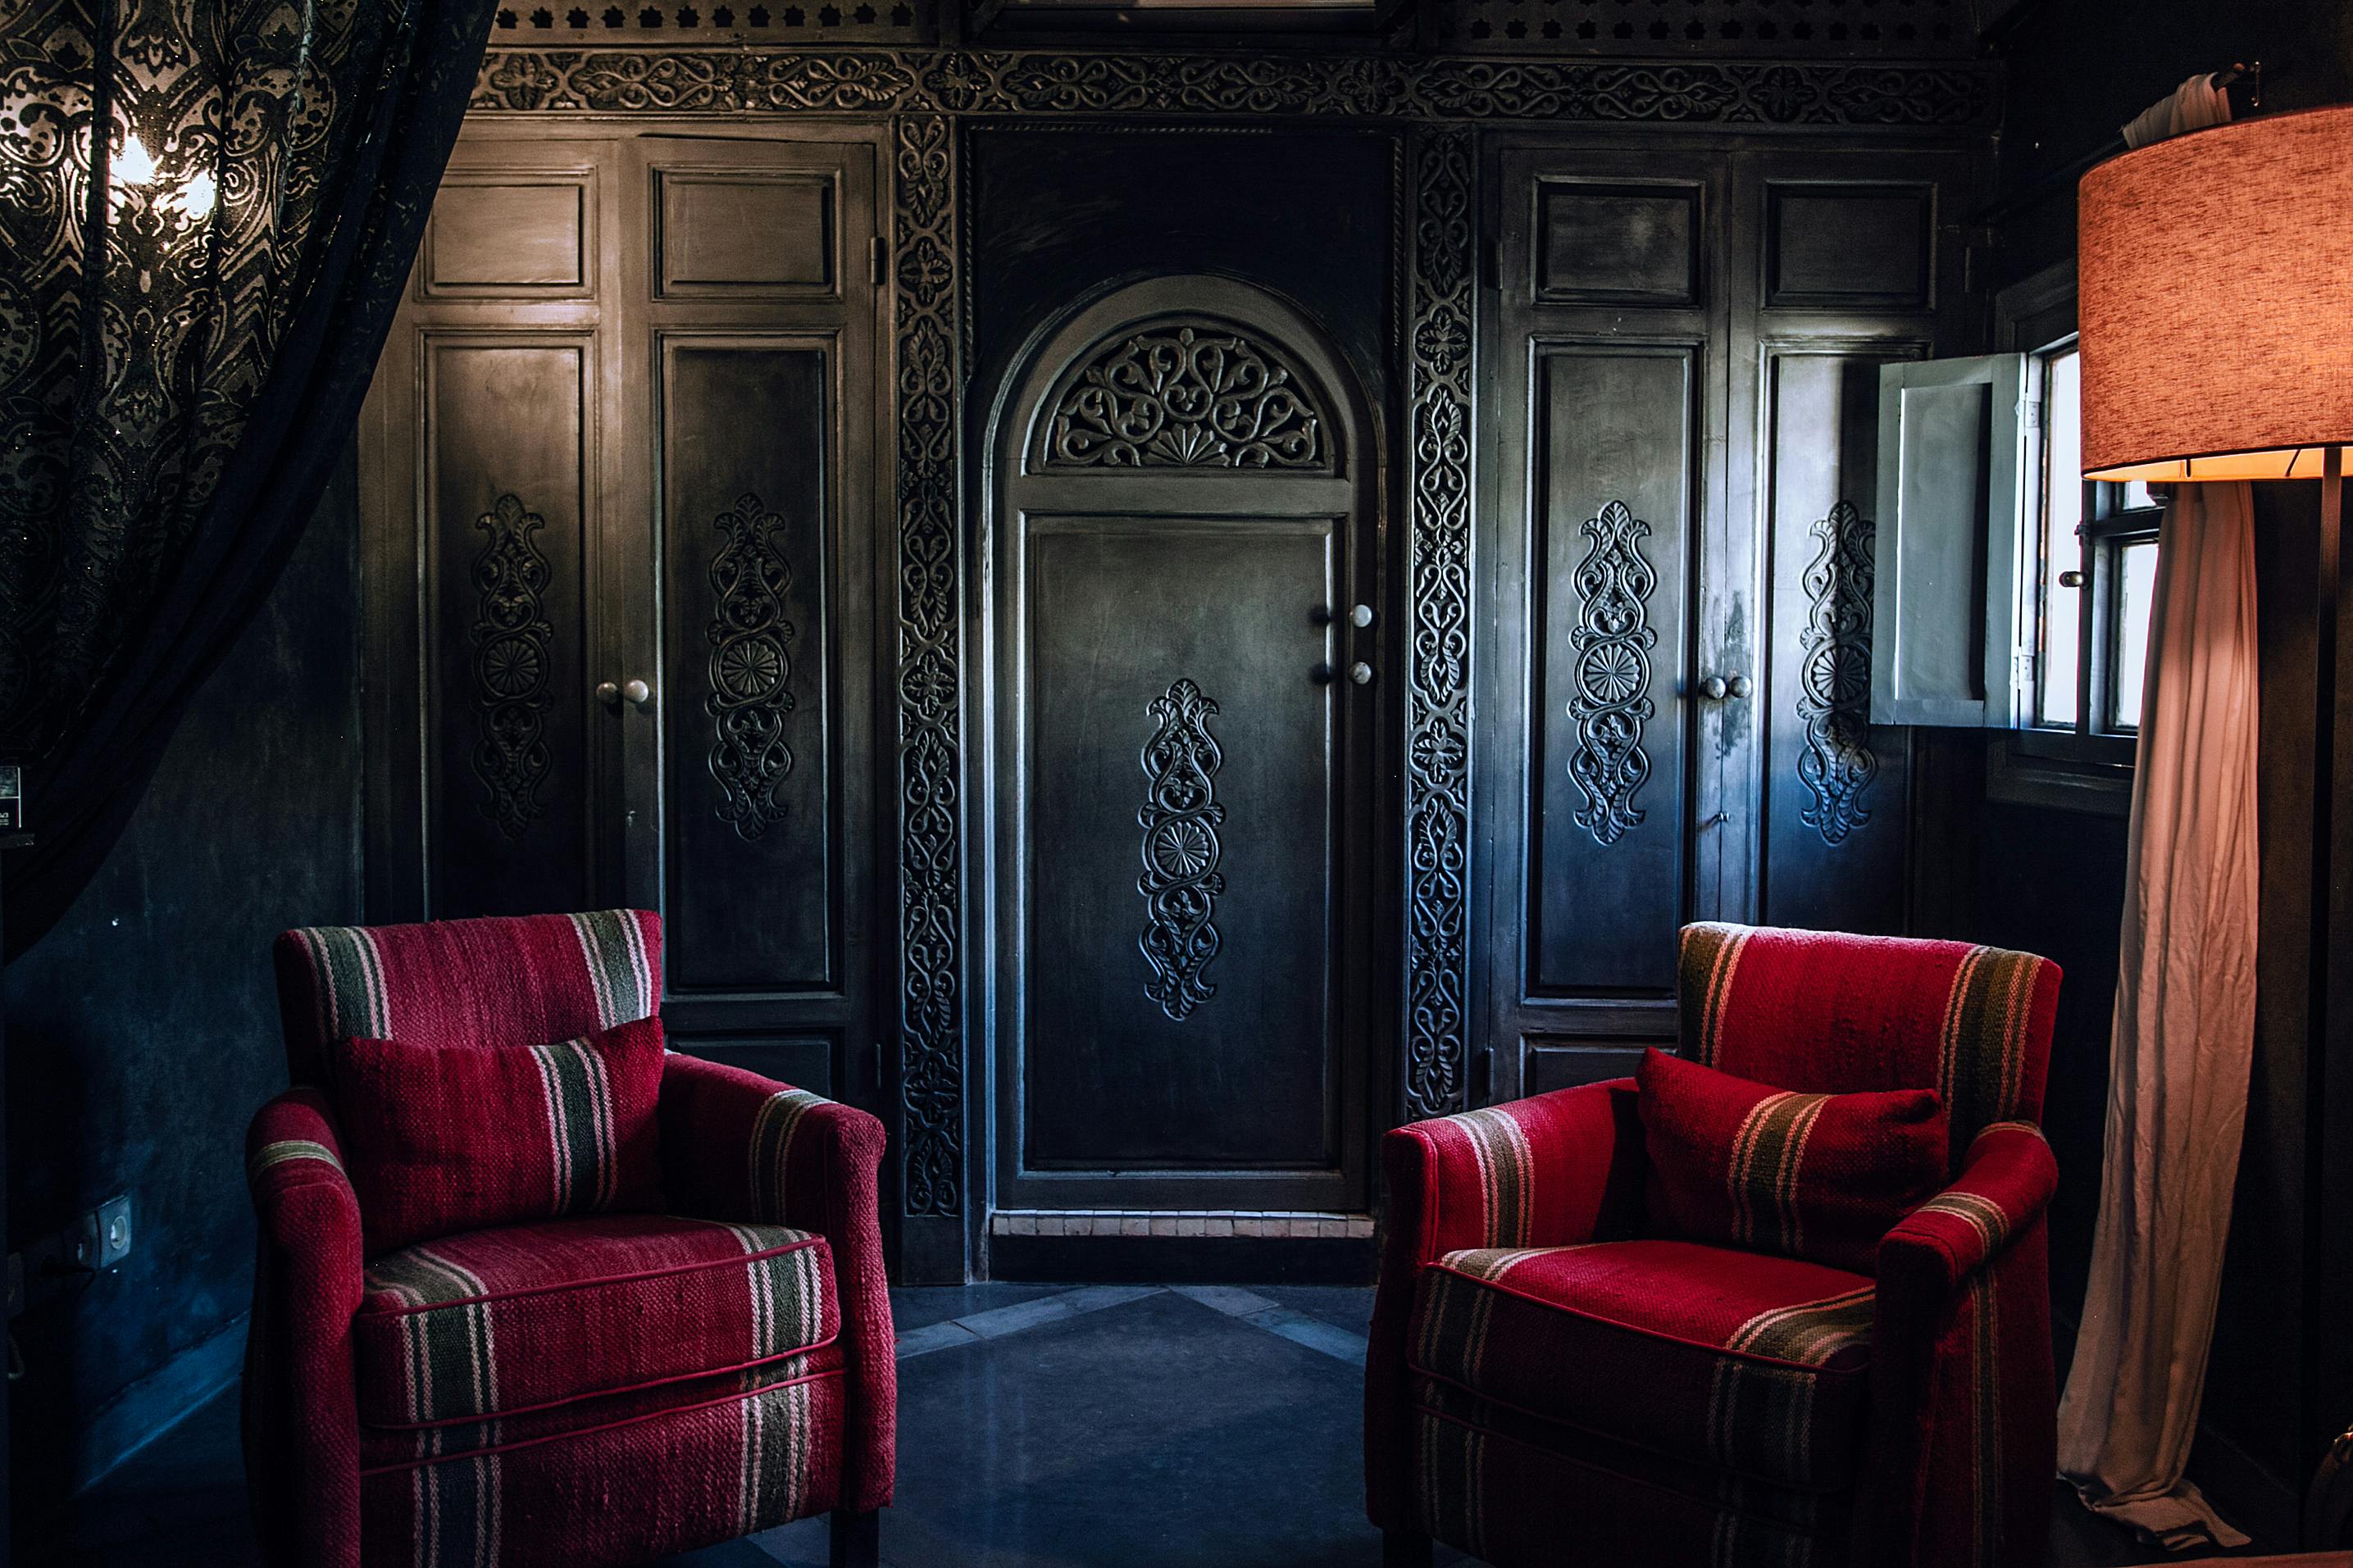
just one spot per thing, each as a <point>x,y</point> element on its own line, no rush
<point>2094,572</point>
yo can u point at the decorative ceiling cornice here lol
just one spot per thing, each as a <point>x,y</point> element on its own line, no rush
<point>767,80</point>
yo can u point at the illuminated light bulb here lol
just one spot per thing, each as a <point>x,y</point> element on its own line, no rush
<point>196,196</point>
<point>132,166</point>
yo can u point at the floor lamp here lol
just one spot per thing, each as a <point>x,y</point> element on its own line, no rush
<point>2217,336</point>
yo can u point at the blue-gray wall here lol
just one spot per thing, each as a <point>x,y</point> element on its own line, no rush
<point>143,1031</point>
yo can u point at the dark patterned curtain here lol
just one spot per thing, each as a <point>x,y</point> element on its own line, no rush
<point>188,321</point>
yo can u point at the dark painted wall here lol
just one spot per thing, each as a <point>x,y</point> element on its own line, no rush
<point>2053,880</point>
<point>143,1031</point>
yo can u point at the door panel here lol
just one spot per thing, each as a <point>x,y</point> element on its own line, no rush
<point>509,635</point>
<point>748,666</point>
<point>1179,775</point>
<point>1613,453</point>
<point>1835,782</point>
<point>1182,854</point>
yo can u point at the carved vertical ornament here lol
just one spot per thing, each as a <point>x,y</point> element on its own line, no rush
<point>513,663</point>
<point>1438,655</point>
<point>750,666</point>
<point>1834,676</point>
<point>929,660</point>
<point>1610,702</point>
<point>1180,818</point>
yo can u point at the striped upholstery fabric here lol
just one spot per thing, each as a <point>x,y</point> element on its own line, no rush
<point>1753,1365</point>
<point>503,981</point>
<point>1549,1363</point>
<point>601,1388</point>
<point>1823,1012</point>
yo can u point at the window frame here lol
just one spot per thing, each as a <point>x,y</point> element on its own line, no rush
<point>2087,767</point>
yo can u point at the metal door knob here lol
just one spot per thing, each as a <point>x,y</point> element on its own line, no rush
<point>1362,674</point>
<point>1362,615</point>
<point>1739,687</point>
<point>612,694</point>
<point>1713,689</point>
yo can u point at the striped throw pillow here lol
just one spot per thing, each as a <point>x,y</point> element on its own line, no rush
<point>1817,1176</point>
<point>441,1139</point>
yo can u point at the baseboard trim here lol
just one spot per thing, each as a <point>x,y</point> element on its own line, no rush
<point>1181,1260</point>
<point>157,1403</point>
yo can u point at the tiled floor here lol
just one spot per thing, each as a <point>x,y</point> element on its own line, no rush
<point>1125,1427</point>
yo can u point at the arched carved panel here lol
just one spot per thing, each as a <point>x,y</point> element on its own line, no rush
<point>1180,818</point>
<point>1196,396</point>
<point>1834,691</point>
<point>1612,642</point>
<point>513,663</point>
<point>750,666</point>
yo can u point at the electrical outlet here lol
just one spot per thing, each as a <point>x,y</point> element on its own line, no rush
<point>113,1232</point>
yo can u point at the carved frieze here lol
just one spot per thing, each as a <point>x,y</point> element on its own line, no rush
<point>1836,764</point>
<point>765,79</point>
<point>1180,817</point>
<point>1187,398</point>
<point>1609,699</point>
<point>513,644</point>
<point>750,666</point>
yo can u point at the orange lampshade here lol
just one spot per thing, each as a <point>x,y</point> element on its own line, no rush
<point>2216,297</point>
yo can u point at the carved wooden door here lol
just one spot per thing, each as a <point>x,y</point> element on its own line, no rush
<point>1673,718</point>
<point>619,462</point>
<point>1185,693</point>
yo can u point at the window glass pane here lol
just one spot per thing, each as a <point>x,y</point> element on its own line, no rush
<point>2136,591</point>
<point>2061,510</point>
<point>2135,497</point>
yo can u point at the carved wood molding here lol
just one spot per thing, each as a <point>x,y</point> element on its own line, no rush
<point>1180,817</point>
<point>514,661</point>
<point>770,81</point>
<point>1438,232</point>
<point>1609,698</point>
<point>1188,397</point>
<point>750,666</point>
<point>929,670</point>
<point>1834,682</point>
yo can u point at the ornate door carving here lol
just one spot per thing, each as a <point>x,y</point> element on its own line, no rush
<point>1179,536</point>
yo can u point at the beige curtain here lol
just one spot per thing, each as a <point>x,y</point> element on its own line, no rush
<point>2184,1035</point>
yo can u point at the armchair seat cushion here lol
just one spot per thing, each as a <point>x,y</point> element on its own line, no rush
<point>516,1335</point>
<point>1750,1364</point>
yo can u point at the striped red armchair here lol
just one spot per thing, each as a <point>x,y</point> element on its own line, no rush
<point>603,1388</point>
<point>1549,1365</point>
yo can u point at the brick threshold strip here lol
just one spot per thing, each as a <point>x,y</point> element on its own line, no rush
<point>1243,1306</point>
<point>1292,1225</point>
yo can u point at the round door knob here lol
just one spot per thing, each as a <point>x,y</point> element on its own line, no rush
<point>1713,689</point>
<point>1362,674</point>
<point>608,693</point>
<point>1740,687</point>
<point>1362,615</point>
<point>636,694</point>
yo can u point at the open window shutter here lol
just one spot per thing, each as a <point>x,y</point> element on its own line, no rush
<point>1951,477</point>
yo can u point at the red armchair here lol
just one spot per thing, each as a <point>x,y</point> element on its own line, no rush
<point>593,1390</point>
<point>1549,1379</point>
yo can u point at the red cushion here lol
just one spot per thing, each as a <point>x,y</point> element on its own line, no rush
<point>1749,1363</point>
<point>1819,1177</point>
<point>445,1139</point>
<point>514,1334</point>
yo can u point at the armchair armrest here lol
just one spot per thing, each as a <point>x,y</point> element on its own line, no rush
<point>2005,1183</point>
<point>1552,1170</point>
<point>737,1146</point>
<point>301,1412</point>
<point>1963,1310</point>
